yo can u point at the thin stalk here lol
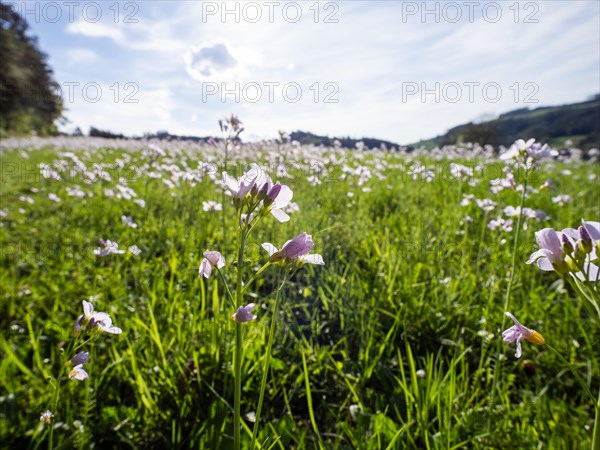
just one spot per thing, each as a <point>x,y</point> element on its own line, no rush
<point>582,294</point>
<point>238,343</point>
<point>69,351</point>
<point>229,294</point>
<point>265,374</point>
<point>596,435</point>
<point>255,276</point>
<point>55,404</point>
<point>509,287</point>
<point>568,365</point>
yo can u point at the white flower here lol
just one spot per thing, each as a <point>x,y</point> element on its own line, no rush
<point>108,247</point>
<point>211,206</point>
<point>134,250</point>
<point>211,259</point>
<point>77,373</point>
<point>128,221</point>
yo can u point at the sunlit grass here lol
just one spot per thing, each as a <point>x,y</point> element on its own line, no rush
<point>391,344</point>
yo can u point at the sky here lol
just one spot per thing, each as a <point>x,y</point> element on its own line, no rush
<point>395,70</point>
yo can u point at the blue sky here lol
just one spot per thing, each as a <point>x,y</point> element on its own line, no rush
<point>400,71</point>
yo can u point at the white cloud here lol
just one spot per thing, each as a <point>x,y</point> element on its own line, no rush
<point>207,60</point>
<point>97,29</point>
<point>369,54</point>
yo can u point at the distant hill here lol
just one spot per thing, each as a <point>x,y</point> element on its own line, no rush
<point>309,138</point>
<point>578,123</point>
<point>555,125</point>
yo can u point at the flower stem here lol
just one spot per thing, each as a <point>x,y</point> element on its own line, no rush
<point>509,288</point>
<point>569,366</point>
<point>255,276</point>
<point>265,374</point>
<point>238,343</point>
<point>596,435</point>
<point>54,408</point>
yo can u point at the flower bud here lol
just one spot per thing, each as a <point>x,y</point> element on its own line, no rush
<point>262,193</point>
<point>80,358</point>
<point>567,247</point>
<point>274,191</point>
<point>586,241</point>
<point>570,264</point>
<point>579,254</point>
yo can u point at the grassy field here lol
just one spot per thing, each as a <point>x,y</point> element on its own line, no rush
<point>394,343</point>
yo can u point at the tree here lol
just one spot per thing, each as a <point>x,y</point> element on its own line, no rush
<point>28,98</point>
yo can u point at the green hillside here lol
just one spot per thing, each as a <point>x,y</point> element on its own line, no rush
<point>577,122</point>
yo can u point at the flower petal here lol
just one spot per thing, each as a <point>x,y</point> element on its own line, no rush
<point>88,309</point>
<point>283,198</point>
<point>270,248</point>
<point>545,265</point>
<point>536,255</point>
<point>313,259</point>
<point>548,239</point>
<point>280,215</point>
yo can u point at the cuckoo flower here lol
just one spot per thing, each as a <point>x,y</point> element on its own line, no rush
<point>254,178</point>
<point>244,314</point>
<point>295,249</point>
<point>46,417</point>
<point>550,255</point>
<point>77,373</point>
<point>528,153</point>
<point>211,259</point>
<point>108,247</point>
<point>519,332</point>
<point>572,254</point>
<point>278,197</point>
<point>593,231</point>
<point>95,319</point>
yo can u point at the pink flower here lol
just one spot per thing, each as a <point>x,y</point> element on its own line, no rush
<point>46,417</point>
<point>241,187</point>
<point>561,251</point>
<point>295,249</point>
<point>550,255</point>
<point>593,230</point>
<point>244,314</point>
<point>95,319</point>
<point>211,259</point>
<point>278,197</point>
<point>519,332</point>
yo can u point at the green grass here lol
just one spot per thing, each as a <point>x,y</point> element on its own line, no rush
<point>406,288</point>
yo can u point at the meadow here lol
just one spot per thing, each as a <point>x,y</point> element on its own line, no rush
<point>394,343</point>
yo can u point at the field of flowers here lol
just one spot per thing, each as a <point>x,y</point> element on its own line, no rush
<point>278,296</point>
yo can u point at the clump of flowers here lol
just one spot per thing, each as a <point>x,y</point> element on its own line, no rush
<point>570,251</point>
<point>528,153</point>
<point>87,326</point>
<point>91,319</point>
<point>254,196</point>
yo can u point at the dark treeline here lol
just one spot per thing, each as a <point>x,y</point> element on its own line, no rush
<point>28,99</point>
